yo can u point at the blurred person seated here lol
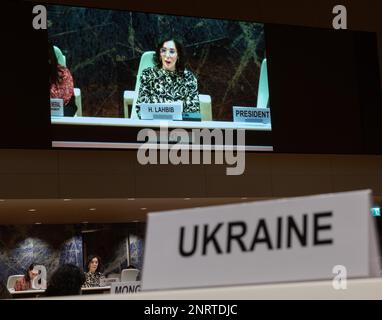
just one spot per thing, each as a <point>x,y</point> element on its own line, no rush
<point>169,80</point>
<point>61,83</point>
<point>25,283</point>
<point>67,280</point>
<point>4,292</point>
<point>93,274</point>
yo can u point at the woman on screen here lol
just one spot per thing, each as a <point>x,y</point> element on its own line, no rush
<point>25,282</point>
<point>169,80</point>
<point>94,275</point>
<point>61,82</point>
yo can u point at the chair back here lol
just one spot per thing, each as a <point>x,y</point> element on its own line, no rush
<point>129,275</point>
<point>263,90</point>
<point>61,59</point>
<point>12,280</point>
<point>146,62</point>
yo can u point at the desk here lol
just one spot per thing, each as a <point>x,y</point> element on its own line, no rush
<point>364,289</point>
<point>26,293</point>
<point>121,133</point>
<point>95,290</point>
<point>127,122</point>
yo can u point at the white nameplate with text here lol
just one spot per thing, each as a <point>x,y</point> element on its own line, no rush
<point>56,107</point>
<point>105,282</point>
<point>296,239</point>
<point>253,115</point>
<point>128,287</point>
<point>161,111</point>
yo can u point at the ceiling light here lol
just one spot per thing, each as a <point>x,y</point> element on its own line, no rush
<point>187,198</point>
<point>32,210</point>
<point>92,209</point>
<point>244,198</point>
<point>130,199</point>
<point>67,199</point>
<point>38,222</point>
<point>89,230</point>
<point>143,208</point>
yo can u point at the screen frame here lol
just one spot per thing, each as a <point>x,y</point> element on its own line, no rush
<point>66,133</point>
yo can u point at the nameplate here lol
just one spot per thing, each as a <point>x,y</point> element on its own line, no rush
<point>128,287</point>
<point>161,111</point>
<point>252,115</point>
<point>56,107</point>
<point>297,239</point>
<point>192,116</point>
<point>105,282</point>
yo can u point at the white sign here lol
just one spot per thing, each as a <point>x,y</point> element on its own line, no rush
<point>250,114</point>
<point>161,111</point>
<point>57,107</point>
<point>125,287</point>
<point>105,282</point>
<point>283,240</point>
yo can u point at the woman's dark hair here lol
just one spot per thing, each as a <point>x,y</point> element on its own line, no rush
<point>54,76</point>
<point>180,63</point>
<point>90,258</point>
<point>67,280</point>
<point>30,268</point>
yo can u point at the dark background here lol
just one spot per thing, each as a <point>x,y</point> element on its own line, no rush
<point>324,84</point>
<point>325,90</point>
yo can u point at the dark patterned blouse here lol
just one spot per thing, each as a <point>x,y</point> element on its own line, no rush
<point>159,85</point>
<point>92,279</point>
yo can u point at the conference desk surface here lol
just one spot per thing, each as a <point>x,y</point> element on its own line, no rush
<point>26,293</point>
<point>93,290</point>
<point>127,122</point>
<point>37,293</point>
<point>362,288</point>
